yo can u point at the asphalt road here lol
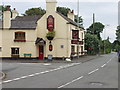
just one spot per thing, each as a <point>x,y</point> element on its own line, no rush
<point>98,73</point>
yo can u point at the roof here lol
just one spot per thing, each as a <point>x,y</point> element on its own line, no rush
<point>24,22</point>
<point>69,20</point>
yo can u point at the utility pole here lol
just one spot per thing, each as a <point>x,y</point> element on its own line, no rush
<point>78,28</point>
<point>93,23</point>
<point>2,15</point>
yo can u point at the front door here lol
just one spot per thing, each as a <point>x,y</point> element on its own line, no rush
<point>41,52</point>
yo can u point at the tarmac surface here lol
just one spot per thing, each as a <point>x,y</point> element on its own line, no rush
<point>75,60</point>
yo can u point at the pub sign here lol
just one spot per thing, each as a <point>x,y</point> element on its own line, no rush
<point>50,23</point>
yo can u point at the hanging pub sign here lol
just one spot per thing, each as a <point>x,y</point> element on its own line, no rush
<point>50,23</point>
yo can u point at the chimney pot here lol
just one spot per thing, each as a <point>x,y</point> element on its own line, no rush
<point>72,11</point>
<point>8,8</point>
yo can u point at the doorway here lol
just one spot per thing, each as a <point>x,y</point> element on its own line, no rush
<point>41,52</point>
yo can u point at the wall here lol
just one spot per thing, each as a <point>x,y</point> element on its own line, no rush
<point>25,47</point>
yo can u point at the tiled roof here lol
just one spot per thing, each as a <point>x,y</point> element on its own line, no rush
<point>24,22</point>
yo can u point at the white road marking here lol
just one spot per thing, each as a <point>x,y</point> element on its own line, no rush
<point>71,82</point>
<point>31,75</point>
<point>7,81</point>
<point>93,71</point>
<point>47,64</point>
<point>16,79</point>
<point>23,77</point>
<point>109,60</point>
<point>103,65</point>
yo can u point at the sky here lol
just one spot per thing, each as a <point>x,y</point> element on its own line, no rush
<point>106,11</point>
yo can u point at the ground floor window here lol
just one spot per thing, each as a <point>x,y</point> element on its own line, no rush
<point>15,52</point>
<point>81,49</point>
<point>72,50</point>
<point>0,49</point>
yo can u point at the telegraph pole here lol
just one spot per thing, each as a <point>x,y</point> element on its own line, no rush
<point>93,23</point>
<point>2,15</point>
<point>78,28</point>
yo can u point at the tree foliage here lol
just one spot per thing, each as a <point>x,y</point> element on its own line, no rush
<point>91,43</point>
<point>98,28</point>
<point>116,45</point>
<point>64,11</point>
<point>34,11</point>
<point>118,33</point>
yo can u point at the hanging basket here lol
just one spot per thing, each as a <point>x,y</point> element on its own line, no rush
<point>50,38</point>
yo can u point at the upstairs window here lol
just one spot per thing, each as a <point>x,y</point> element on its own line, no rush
<point>75,37</point>
<point>75,34</point>
<point>20,36</point>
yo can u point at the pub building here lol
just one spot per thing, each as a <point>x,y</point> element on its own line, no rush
<point>37,37</point>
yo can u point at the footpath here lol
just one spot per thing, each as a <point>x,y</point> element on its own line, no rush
<point>75,60</point>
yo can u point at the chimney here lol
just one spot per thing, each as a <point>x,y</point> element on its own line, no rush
<point>51,6</point>
<point>71,14</point>
<point>14,13</point>
<point>7,18</point>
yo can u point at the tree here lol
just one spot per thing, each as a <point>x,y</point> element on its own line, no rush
<point>91,43</point>
<point>118,33</point>
<point>107,46</point>
<point>98,28</point>
<point>80,20</point>
<point>63,10</point>
<point>34,11</point>
<point>1,9</point>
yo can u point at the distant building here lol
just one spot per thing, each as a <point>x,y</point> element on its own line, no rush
<point>25,36</point>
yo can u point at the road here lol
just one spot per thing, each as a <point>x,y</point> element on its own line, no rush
<point>101,72</point>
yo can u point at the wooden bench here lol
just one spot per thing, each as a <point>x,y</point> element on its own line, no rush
<point>27,55</point>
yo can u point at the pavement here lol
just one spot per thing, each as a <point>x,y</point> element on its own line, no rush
<point>75,60</point>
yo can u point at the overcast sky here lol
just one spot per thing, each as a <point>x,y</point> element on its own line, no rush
<point>106,11</point>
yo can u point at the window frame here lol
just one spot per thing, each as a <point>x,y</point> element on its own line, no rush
<point>15,53</point>
<point>20,37</point>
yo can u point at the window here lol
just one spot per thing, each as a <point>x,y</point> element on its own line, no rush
<point>81,49</point>
<point>72,50</point>
<point>75,36</point>
<point>62,46</point>
<point>0,49</point>
<point>15,52</point>
<point>20,36</point>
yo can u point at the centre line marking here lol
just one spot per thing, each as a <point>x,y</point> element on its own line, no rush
<point>93,71</point>
<point>71,82</point>
<point>103,65</point>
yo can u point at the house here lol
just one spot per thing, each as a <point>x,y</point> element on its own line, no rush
<point>25,36</point>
